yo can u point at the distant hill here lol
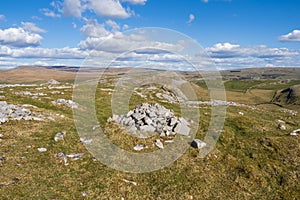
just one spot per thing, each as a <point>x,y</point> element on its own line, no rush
<point>34,74</point>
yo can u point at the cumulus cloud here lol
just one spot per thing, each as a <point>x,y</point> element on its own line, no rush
<point>294,36</point>
<point>109,8</point>
<point>229,55</point>
<point>32,28</point>
<point>191,18</point>
<point>18,37</point>
<point>113,25</point>
<point>102,8</point>
<point>135,2</point>
<point>72,8</point>
<point>93,29</point>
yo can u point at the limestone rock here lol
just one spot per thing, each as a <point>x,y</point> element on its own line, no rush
<point>60,136</point>
<point>159,144</point>
<point>199,144</point>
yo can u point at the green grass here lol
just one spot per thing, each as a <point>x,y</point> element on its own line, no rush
<point>253,159</point>
<point>241,86</point>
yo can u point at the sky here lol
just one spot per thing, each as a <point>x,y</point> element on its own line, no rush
<point>232,33</point>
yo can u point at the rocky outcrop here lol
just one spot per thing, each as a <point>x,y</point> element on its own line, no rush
<point>288,96</point>
<point>14,112</point>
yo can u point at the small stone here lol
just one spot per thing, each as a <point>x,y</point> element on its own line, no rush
<point>241,113</point>
<point>2,159</point>
<point>138,147</point>
<point>281,127</point>
<point>132,182</point>
<point>86,141</point>
<point>84,194</point>
<point>64,157</point>
<point>42,149</point>
<point>295,132</point>
<point>75,156</point>
<point>60,136</point>
<point>159,144</point>
<point>199,144</point>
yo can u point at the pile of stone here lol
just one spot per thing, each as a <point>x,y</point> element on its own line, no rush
<point>153,118</point>
<point>13,112</point>
<point>53,82</point>
<point>68,103</point>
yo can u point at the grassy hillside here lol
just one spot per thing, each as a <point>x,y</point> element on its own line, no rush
<point>253,158</point>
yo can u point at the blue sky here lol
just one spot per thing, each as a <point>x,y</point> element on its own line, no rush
<point>234,33</point>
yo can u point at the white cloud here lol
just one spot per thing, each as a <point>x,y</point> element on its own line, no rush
<point>136,2</point>
<point>41,53</point>
<point>49,13</point>
<point>294,36</point>
<point>40,63</point>
<point>102,8</point>
<point>109,8</point>
<point>227,55</point>
<point>113,25</point>
<point>226,50</point>
<point>191,18</point>
<point>18,37</point>
<point>31,27</point>
<point>2,17</point>
<point>94,29</point>
<point>72,8</point>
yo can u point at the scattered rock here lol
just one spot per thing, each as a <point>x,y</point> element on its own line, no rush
<point>295,132</point>
<point>281,121</point>
<point>84,194</point>
<point>14,112</point>
<point>199,144</point>
<point>282,127</point>
<point>13,182</point>
<point>59,87</point>
<point>86,141</point>
<point>68,103</point>
<point>138,147</point>
<point>33,95</point>
<point>53,82</point>
<point>59,136</point>
<point>132,182</point>
<point>64,157</point>
<point>159,144</point>
<point>241,113</point>
<point>75,156</point>
<point>42,149</point>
